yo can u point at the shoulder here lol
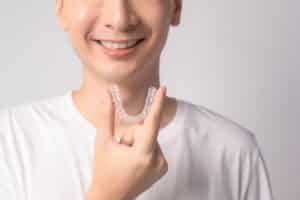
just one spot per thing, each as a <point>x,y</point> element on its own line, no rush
<point>4,119</point>
<point>221,132</point>
<point>26,114</point>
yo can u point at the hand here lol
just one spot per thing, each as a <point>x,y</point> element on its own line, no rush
<point>121,171</point>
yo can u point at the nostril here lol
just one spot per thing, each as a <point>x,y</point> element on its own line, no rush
<point>108,25</point>
<point>122,22</point>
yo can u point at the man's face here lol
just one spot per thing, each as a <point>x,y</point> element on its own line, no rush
<point>90,22</point>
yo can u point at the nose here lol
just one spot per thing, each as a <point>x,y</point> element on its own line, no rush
<point>119,16</point>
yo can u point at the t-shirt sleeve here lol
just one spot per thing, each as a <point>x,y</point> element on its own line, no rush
<point>7,189</point>
<point>258,186</point>
<point>11,181</point>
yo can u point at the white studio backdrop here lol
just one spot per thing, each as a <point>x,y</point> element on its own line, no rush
<point>238,58</point>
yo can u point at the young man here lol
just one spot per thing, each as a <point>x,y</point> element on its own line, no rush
<point>63,148</point>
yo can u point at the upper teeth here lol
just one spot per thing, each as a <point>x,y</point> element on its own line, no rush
<point>119,45</point>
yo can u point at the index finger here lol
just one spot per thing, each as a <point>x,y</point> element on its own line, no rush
<point>106,130</point>
<point>153,119</point>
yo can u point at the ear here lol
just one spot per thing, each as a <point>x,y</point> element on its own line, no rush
<point>176,12</point>
<point>60,12</point>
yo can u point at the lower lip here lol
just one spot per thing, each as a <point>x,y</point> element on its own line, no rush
<point>118,53</point>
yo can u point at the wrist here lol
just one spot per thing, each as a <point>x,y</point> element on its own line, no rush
<point>100,193</point>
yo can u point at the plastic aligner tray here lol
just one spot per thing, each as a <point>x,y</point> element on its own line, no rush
<point>123,114</point>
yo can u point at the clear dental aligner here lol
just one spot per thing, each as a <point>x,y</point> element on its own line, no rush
<point>121,111</point>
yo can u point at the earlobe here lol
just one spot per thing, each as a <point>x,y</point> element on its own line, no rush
<point>177,13</point>
<point>175,21</point>
<point>60,13</point>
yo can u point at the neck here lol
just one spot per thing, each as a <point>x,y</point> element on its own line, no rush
<point>133,92</point>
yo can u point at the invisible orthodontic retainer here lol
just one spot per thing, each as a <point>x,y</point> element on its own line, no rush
<point>123,114</point>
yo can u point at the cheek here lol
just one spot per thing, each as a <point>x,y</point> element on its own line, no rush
<point>155,13</point>
<point>83,15</point>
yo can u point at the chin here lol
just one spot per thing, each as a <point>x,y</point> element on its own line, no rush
<point>116,72</point>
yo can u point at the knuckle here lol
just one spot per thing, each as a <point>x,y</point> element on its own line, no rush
<point>165,168</point>
<point>146,161</point>
<point>163,165</point>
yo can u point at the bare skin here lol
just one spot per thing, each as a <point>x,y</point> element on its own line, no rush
<point>87,20</point>
<point>122,171</point>
<point>121,129</point>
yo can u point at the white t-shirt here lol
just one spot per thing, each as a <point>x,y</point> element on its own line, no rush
<point>46,153</point>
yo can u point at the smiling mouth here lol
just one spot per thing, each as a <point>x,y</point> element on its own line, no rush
<point>119,49</point>
<point>130,44</point>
